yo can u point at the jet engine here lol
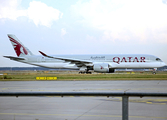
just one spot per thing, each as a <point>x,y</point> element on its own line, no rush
<point>103,68</point>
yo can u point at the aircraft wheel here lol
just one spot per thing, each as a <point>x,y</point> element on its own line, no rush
<point>154,72</point>
<point>80,72</point>
<point>88,72</point>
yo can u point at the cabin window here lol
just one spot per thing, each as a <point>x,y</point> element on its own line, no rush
<point>157,59</point>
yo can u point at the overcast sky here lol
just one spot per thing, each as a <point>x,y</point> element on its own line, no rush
<point>84,27</point>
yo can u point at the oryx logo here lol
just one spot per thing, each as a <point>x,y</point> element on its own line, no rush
<point>18,47</point>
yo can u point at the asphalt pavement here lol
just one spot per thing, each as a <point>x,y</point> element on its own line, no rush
<point>82,108</point>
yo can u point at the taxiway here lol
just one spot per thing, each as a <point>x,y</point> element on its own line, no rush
<point>81,108</point>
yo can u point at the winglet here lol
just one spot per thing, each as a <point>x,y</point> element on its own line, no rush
<point>43,53</point>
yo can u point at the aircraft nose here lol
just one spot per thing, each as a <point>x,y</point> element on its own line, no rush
<point>164,64</point>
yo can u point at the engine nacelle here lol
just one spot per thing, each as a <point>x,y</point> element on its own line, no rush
<point>103,68</point>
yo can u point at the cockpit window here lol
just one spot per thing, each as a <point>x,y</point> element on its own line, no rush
<point>157,59</point>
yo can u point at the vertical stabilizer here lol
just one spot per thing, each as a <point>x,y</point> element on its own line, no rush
<point>19,48</point>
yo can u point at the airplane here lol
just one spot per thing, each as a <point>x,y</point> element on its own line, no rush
<point>84,63</point>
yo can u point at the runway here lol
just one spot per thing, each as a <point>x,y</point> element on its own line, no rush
<point>81,108</point>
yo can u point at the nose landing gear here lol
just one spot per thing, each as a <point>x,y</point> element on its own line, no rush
<point>154,71</point>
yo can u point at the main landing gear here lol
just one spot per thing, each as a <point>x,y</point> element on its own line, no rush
<point>85,72</point>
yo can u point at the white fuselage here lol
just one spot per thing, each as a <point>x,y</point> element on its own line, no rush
<point>114,60</point>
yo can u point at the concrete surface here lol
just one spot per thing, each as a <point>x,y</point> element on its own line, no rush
<point>82,108</point>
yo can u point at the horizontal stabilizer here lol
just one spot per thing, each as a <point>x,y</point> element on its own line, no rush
<point>14,58</point>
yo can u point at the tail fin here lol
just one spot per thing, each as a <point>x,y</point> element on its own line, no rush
<point>19,48</point>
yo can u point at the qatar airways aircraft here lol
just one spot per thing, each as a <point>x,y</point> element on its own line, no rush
<point>84,63</point>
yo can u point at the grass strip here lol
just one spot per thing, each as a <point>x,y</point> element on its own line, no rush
<point>28,77</point>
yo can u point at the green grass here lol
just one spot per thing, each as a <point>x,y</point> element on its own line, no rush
<point>137,76</point>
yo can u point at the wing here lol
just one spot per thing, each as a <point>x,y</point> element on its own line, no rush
<point>78,62</point>
<point>14,58</point>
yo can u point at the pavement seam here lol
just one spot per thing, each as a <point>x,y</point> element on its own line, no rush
<point>89,110</point>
